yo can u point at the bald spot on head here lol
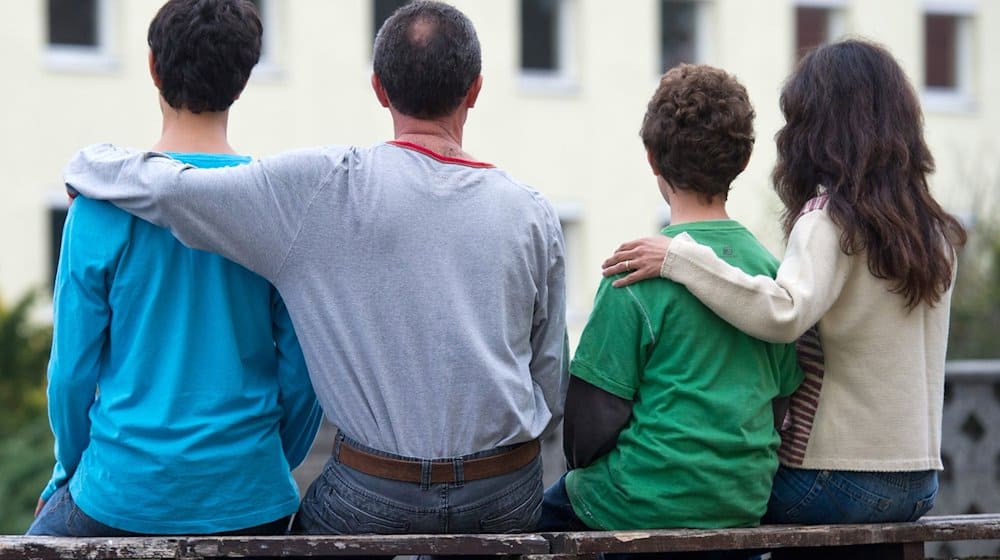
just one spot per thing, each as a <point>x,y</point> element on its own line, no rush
<point>421,32</point>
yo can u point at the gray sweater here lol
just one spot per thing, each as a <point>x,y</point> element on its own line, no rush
<point>428,294</point>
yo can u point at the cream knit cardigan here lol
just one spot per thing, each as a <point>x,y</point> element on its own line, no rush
<point>880,400</point>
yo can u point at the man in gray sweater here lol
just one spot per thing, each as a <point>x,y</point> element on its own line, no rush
<point>426,286</point>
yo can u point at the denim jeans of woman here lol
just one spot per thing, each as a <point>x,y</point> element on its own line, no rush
<point>61,517</point>
<point>822,496</point>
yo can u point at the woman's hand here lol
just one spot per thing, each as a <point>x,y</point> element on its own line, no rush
<point>643,257</point>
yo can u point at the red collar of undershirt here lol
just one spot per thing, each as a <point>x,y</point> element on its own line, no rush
<point>440,157</point>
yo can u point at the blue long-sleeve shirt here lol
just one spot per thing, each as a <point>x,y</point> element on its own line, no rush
<point>178,394</point>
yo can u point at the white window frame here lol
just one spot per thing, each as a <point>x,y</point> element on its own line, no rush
<point>570,215</point>
<point>561,79</point>
<point>834,4</point>
<point>703,42</point>
<point>961,98</point>
<point>703,39</point>
<point>99,58</point>
<point>269,67</point>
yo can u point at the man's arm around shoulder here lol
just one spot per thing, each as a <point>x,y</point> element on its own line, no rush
<point>250,214</point>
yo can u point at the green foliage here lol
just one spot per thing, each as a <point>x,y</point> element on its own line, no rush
<point>24,354</point>
<point>975,311</point>
<point>25,467</point>
<point>25,439</point>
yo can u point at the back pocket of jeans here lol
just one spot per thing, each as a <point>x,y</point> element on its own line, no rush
<point>351,511</point>
<point>923,506</point>
<point>516,512</point>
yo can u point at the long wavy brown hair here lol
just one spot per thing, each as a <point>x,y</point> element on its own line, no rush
<point>854,130</point>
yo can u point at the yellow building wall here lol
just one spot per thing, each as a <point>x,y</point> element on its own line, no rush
<point>576,141</point>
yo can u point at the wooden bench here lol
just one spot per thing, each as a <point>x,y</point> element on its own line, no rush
<point>883,541</point>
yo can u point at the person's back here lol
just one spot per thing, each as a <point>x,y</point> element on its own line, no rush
<point>178,393</point>
<point>871,262</point>
<point>669,417</point>
<point>700,449</point>
<point>441,294</point>
<point>181,348</point>
<point>427,290</point>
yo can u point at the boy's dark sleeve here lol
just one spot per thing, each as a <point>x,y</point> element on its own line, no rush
<point>593,420</point>
<point>780,408</point>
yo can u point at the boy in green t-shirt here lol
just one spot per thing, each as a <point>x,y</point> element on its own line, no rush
<point>669,419</point>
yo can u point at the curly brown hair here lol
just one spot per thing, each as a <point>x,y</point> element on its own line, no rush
<point>699,129</point>
<point>854,130</point>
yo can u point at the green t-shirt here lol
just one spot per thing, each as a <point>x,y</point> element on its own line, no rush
<point>700,449</point>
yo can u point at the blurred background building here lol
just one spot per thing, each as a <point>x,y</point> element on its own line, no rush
<point>566,86</point>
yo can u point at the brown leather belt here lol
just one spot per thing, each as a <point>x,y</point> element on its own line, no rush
<point>442,470</point>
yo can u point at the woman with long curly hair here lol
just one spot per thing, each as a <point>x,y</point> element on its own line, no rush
<point>870,260</point>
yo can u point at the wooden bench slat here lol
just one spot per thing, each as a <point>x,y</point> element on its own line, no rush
<point>944,528</point>
<point>20,547</point>
<point>314,545</point>
<point>907,538</point>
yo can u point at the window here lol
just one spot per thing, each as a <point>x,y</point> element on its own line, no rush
<point>73,23</point>
<point>546,44</point>
<point>58,209</point>
<point>816,25</point>
<point>381,10</point>
<point>941,41</point>
<point>78,34</point>
<point>811,29</point>
<point>540,35</point>
<point>268,66</point>
<point>948,55</point>
<point>683,33</point>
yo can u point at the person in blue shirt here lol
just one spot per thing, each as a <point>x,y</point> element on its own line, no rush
<point>178,394</point>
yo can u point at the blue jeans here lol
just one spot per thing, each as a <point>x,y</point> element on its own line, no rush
<point>557,511</point>
<point>344,501</point>
<point>803,496</point>
<point>61,517</point>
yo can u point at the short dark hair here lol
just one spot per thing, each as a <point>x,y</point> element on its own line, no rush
<point>204,51</point>
<point>699,129</point>
<point>427,56</point>
<point>854,130</point>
